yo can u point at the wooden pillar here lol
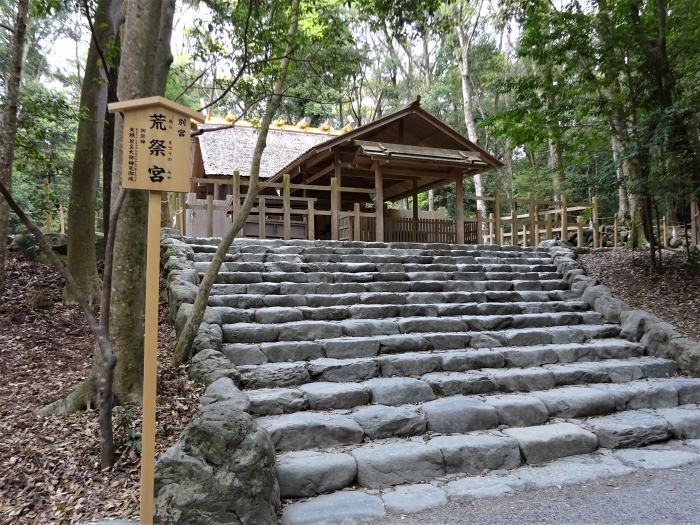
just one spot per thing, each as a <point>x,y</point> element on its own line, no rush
<point>379,202</point>
<point>356,222</point>
<point>236,193</point>
<point>492,221</point>
<point>497,213</point>
<point>564,235</point>
<point>596,231</point>
<point>548,227</point>
<point>61,219</point>
<point>579,231</point>
<point>414,226</point>
<point>310,221</point>
<point>532,219</point>
<point>695,221</point>
<point>615,232</point>
<point>334,209</point>
<point>664,229</point>
<point>525,234</point>
<point>261,218</point>
<point>514,223</point>
<point>459,209</point>
<point>210,215</point>
<point>286,207</point>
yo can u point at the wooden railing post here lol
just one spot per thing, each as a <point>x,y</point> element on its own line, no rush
<point>286,207</point>
<point>261,218</point>
<point>497,213</point>
<point>459,210</point>
<point>532,210</point>
<point>564,235</point>
<point>615,232</point>
<point>378,202</point>
<point>596,231</point>
<point>356,222</point>
<point>310,221</point>
<point>514,223</point>
<point>579,231</point>
<point>334,209</point>
<point>210,215</point>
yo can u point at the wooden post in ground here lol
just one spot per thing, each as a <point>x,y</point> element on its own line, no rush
<point>378,201</point>
<point>182,225</point>
<point>514,223</point>
<point>695,221</point>
<point>62,219</point>
<point>335,217</point>
<point>236,195</point>
<point>564,235</point>
<point>261,218</point>
<point>579,231</point>
<point>615,231</point>
<point>664,229</point>
<point>548,227</point>
<point>47,199</point>
<point>596,231</point>
<point>532,211</point>
<point>414,226</point>
<point>492,221</point>
<point>286,208</point>
<point>356,222</point>
<point>459,212</point>
<point>525,235</point>
<point>310,220</point>
<point>497,214</point>
<point>210,215</point>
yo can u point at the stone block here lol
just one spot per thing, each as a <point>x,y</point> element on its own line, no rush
<point>572,402</point>
<point>398,390</point>
<point>327,395</point>
<point>409,364</point>
<point>288,351</point>
<point>305,430</point>
<point>459,414</point>
<point>349,347</point>
<point>518,410</point>
<point>473,453</point>
<point>340,507</point>
<point>273,375</point>
<point>544,443</point>
<point>305,473</point>
<point>633,428</point>
<point>414,498</point>
<point>397,463</point>
<point>308,330</point>
<point>380,421</point>
<point>274,401</point>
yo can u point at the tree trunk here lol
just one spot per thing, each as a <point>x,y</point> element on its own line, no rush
<point>108,148</point>
<point>189,331</point>
<point>623,204</point>
<point>88,151</point>
<point>9,127</point>
<point>143,70</point>
<point>468,108</point>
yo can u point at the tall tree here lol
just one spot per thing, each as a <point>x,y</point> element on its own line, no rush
<point>88,150</point>
<point>9,125</point>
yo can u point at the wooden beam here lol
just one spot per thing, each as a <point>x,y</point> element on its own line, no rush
<point>415,212</point>
<point>335,208</point>
<point>286,206</point>
<point>379,202</point>
<point>459,210</point>
<point>497,213</point>
<point>311,223</point>
<point>261,217</point>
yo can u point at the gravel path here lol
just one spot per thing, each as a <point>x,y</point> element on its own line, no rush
<point>652,496</point>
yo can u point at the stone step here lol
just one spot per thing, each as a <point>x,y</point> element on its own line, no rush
<point>277,314</point>
<point>318,330</point>
<point>442,277</point>
<point>268,295</point>
<point>270,393</point>
<point>385,463</point>
<point>412,266</point>
<point>358,505</point>
<point>460,410</point>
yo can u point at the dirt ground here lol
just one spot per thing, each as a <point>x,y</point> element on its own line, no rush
<point>49,466</point>
<point>671,294</point>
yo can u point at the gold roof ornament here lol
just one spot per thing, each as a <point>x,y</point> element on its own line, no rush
<point>303,123</point>
<point>280,122</point>
<point>326,126</point>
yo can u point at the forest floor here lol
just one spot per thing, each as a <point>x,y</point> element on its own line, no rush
<point>49,470</point>
<point>49,466</point>
<point>671,294</point>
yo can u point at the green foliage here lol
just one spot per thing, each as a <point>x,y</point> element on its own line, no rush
<point>128,424</point>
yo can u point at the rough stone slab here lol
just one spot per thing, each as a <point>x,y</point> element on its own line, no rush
<point>308,331</point>
<point>414,498</point>
<point>432,324</point>
<point>282,351</point>
<point>447,341</point>
<point>306,473</point>
<point>273,375</point>
<point>459,414</point>
<point>396,463</point>
<point>518,410</point>
<point>305,430</point>
<point>650,458</point>
<point>343,370</point>
<point>398,390</point>
<point>633,428</point>
<point>402,343</point>
<point>571,402</point>
<point>474,453</point>
<point>373,311</point>
<point>325,313</point>
<point>209,365</point>
<point>688,389</point>
<point>409,364</point>
<point>349,347</point>
<point>325,395</point>
<point>367,328</point>
<point>380,421</point>
<point>641,394</point>
<point>273,401</point>
<point>544,443</point>
<point>471,488</point>
<point>487,340</point>
<point>341,507</point>
<point>522,379</point>
<point>224,389</point>
<point>278,314</point>
<point>249,332</point>
<point>244,354</point>
<point>453,383</point>
<point>569,471</point>
<point>459,361</point>
<point>683,421</point>
<point>525,357</point>
<point>584,373</point>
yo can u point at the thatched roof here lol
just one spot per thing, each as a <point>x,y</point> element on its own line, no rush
<point>231,149</point>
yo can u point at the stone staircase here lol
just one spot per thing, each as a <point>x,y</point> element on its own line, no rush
<point>379,365</point>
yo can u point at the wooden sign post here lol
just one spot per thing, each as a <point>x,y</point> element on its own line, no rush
<point>156,157</point>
